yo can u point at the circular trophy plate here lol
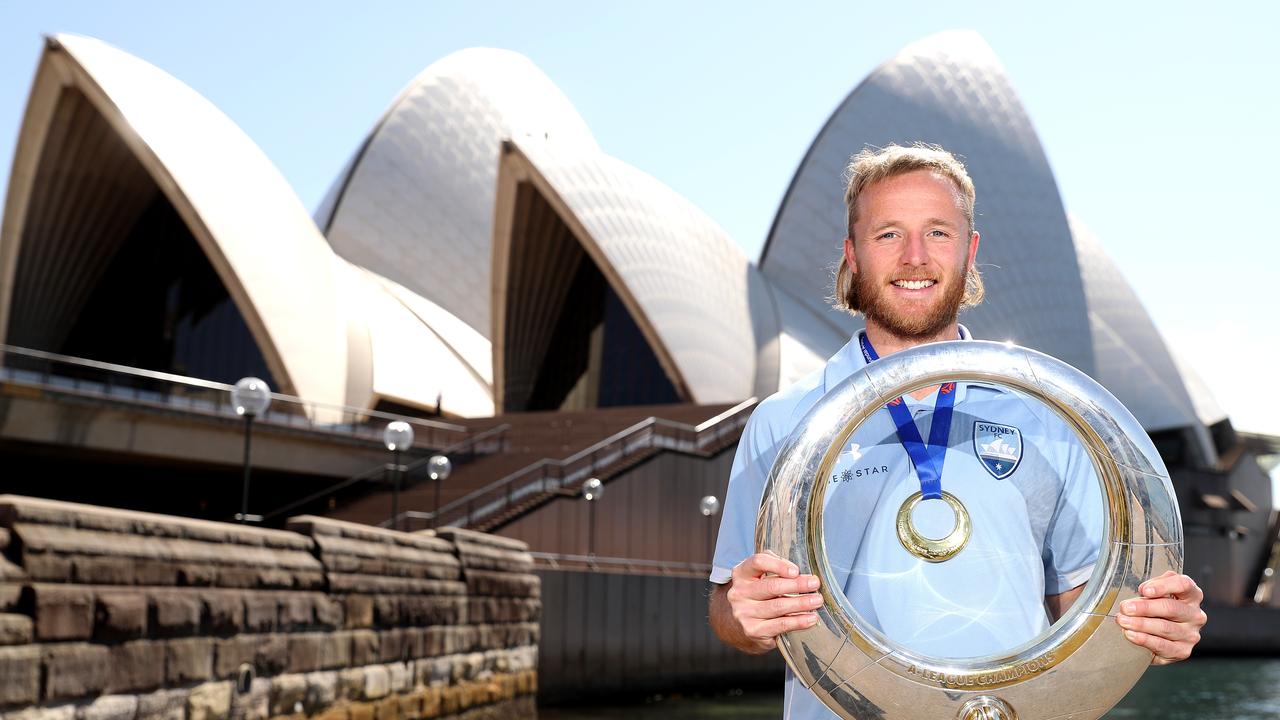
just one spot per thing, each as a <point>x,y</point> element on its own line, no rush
<point>1082,665</point>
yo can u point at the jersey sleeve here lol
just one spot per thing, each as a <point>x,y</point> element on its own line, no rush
<point>756,452</point>
<point>1075,532</point>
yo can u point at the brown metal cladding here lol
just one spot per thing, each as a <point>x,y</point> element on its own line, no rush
<point>604,633</point>
<point>648,513</point>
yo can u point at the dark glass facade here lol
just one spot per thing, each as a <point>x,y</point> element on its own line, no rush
<point>629,371</point>
<point>569,342</point>
<point>161,306</point>
<point>598,357</point>
<point>109,271</point>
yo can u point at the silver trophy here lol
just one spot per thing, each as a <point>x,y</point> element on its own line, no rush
<point>822,512</point>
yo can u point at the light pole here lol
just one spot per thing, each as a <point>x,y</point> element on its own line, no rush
<point>251,397</point>
<point>709,506</point>
<point>438,469</point>
<point>592,490</point>
<point>398,437</point>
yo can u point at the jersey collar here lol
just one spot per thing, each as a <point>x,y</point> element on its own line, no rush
<point>849,360</point>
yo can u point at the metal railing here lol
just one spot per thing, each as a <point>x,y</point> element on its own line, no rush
<point>551,476</point>
<point>80,377</point>
<point>631,566</point>
<point>489,441</point>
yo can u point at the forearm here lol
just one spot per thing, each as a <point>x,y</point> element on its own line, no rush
<point>1060,603</point>
<point>726,626</point>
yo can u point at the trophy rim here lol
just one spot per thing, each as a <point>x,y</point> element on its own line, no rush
<point>1132,476</point>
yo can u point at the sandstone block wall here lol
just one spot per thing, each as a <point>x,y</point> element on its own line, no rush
<point>114,615</point>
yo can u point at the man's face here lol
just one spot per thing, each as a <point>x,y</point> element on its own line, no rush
<point>910,250</point>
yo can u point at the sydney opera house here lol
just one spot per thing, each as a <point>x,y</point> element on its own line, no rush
<point>482,261</point>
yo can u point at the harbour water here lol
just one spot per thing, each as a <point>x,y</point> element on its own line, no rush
<point>1201,689</point>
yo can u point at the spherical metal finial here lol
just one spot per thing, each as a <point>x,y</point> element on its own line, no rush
<point>592,489</point>
<point>439,467</point>
<point>397,436</point>
<point>709,505</point>
<point>251,397</point>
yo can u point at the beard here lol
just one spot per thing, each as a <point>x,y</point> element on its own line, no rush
<point>912,322</point>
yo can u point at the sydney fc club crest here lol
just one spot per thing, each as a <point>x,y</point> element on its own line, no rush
<point>999,447</point>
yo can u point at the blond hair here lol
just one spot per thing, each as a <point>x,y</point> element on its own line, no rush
<point>872,166</point>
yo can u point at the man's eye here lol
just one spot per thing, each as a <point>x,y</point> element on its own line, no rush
<point>887,236</point>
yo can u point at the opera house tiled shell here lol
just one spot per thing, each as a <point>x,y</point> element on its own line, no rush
<point>480,253</point>
<point>1130,356</point>
<point>104,135</point>
<point>124,179</point>
<point>415,203</point>
<point>672,269</point>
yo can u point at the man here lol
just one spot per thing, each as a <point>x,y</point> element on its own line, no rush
<point>908,267</point>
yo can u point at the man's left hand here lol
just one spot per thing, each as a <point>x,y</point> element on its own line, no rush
<point>1167,618</point>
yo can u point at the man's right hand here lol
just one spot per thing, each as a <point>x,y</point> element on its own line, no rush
<point>765,597</point>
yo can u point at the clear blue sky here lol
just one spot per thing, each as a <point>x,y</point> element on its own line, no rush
<point>1160,119</point>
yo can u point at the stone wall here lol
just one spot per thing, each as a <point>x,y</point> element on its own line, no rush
<point>115,615</point>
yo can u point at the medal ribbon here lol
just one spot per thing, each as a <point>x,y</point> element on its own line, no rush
<point>927,459</point>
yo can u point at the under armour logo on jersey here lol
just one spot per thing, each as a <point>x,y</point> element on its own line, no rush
<point>999,447</point>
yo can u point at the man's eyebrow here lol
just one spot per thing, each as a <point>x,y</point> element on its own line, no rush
<point>931,221</point>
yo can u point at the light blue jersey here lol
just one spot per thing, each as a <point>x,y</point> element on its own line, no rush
<point>1029,487</point>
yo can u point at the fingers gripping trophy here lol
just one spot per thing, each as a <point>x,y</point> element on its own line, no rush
<point>947,527</point>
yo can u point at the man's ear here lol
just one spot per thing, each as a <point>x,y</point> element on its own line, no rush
<point>973,250</point>
<point>851,260</point>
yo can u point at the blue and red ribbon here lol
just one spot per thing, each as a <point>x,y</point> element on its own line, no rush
<point>927,459</point>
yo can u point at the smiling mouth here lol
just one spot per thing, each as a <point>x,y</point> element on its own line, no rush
<point>914,284</point>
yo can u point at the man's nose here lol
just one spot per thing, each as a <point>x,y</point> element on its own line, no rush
<point>914,251</point>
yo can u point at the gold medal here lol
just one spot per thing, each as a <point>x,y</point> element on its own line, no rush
<point>928,549</point>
